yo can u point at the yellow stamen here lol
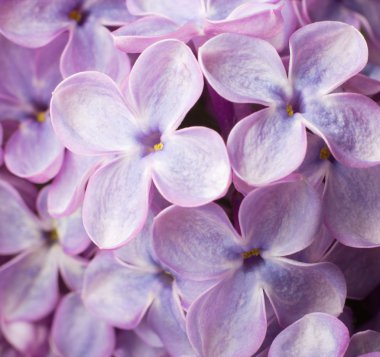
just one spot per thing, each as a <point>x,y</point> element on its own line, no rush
<point>255,252</point>
<point>289,110</point>
<point>158,147</point>
<point>53,235</point>
<point>167,273</point>
<point>75,15</point>
<point>325,153</point>
<point>41,117</point>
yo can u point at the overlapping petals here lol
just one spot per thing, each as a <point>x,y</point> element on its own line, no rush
<point>142,137</point>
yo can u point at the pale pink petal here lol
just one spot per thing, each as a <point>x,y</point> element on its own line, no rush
<point>26,337</point>
<point>316,334</point>
<point>20,228</point>
<point>350,125</point>
<point>192,168</point>
<point>26,281</point>
<point>136,36</point>
<point>163,95</point>
<point>76,332</point>
<point>266,146</point>
<point>34,23</point>
<point>167,319</point>
<point>352,205</point>
<point>34,151</point>
<point>181,11</point>
<point>324,55</point>
<point>138,252</point>
<point>72,271</point>
<point>196,243</point>
<point>116,292</point>
<point>91,48</point>
<point>115,205</point>
<point>90,116</point>
<point>67,189</point>
<point>266,17</point>
<point>295,288</point>
<point>229,320</point>
<point>244,69</point>
<point>281,219</point>
<point>71,233</point>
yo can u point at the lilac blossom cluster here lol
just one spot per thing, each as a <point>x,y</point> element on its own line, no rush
<point>189,178</point>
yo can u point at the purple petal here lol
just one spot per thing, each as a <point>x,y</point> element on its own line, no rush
<point>360,268</point>
<point>67,190</point>
<point>116,292</point>
<point>229,320</point>
<point>196,243</point>
<point>180,11</point>
<point>350,124</point>
<point>363,343</point>
<point>191,290</point>
<point>363,84</point>
<point>110,12</point>
<point>136,36</point>
<point>26,337</point>
<point>167,319</point>
<point>138,251</point>
<point>76,332</point>
<point>324,55</point>
<point>295,288</point>
<point>319,10</point>
<point>72,271</point>
<point>352,205</point>
<point>267,18</point>
<point>34,23</point>
<point>281,219</point>
<point>27,280</point>
<point>90,115</point>
<point>244,69</point>
<point>266,146</point>
<point>162,95</point>
<point>34,151</point>
<point>315,334</point>
<point>20,229</point>
<point>129,344</point>
<point>91,48</point>
<point>193,167</point>
<point>71,233</point>
<point>115,205</point>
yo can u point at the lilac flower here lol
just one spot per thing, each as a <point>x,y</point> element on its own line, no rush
<point>351,196</point>
<point>91,116</point>
<point>321,335</point>
<point>188,19</point>
<point>32,276</point>
<point>76,332</point>
<point>27,79</point>
<point>271,143</point>
<point>35,23</point>
<point>200,244</point>
<point>127,284</point>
